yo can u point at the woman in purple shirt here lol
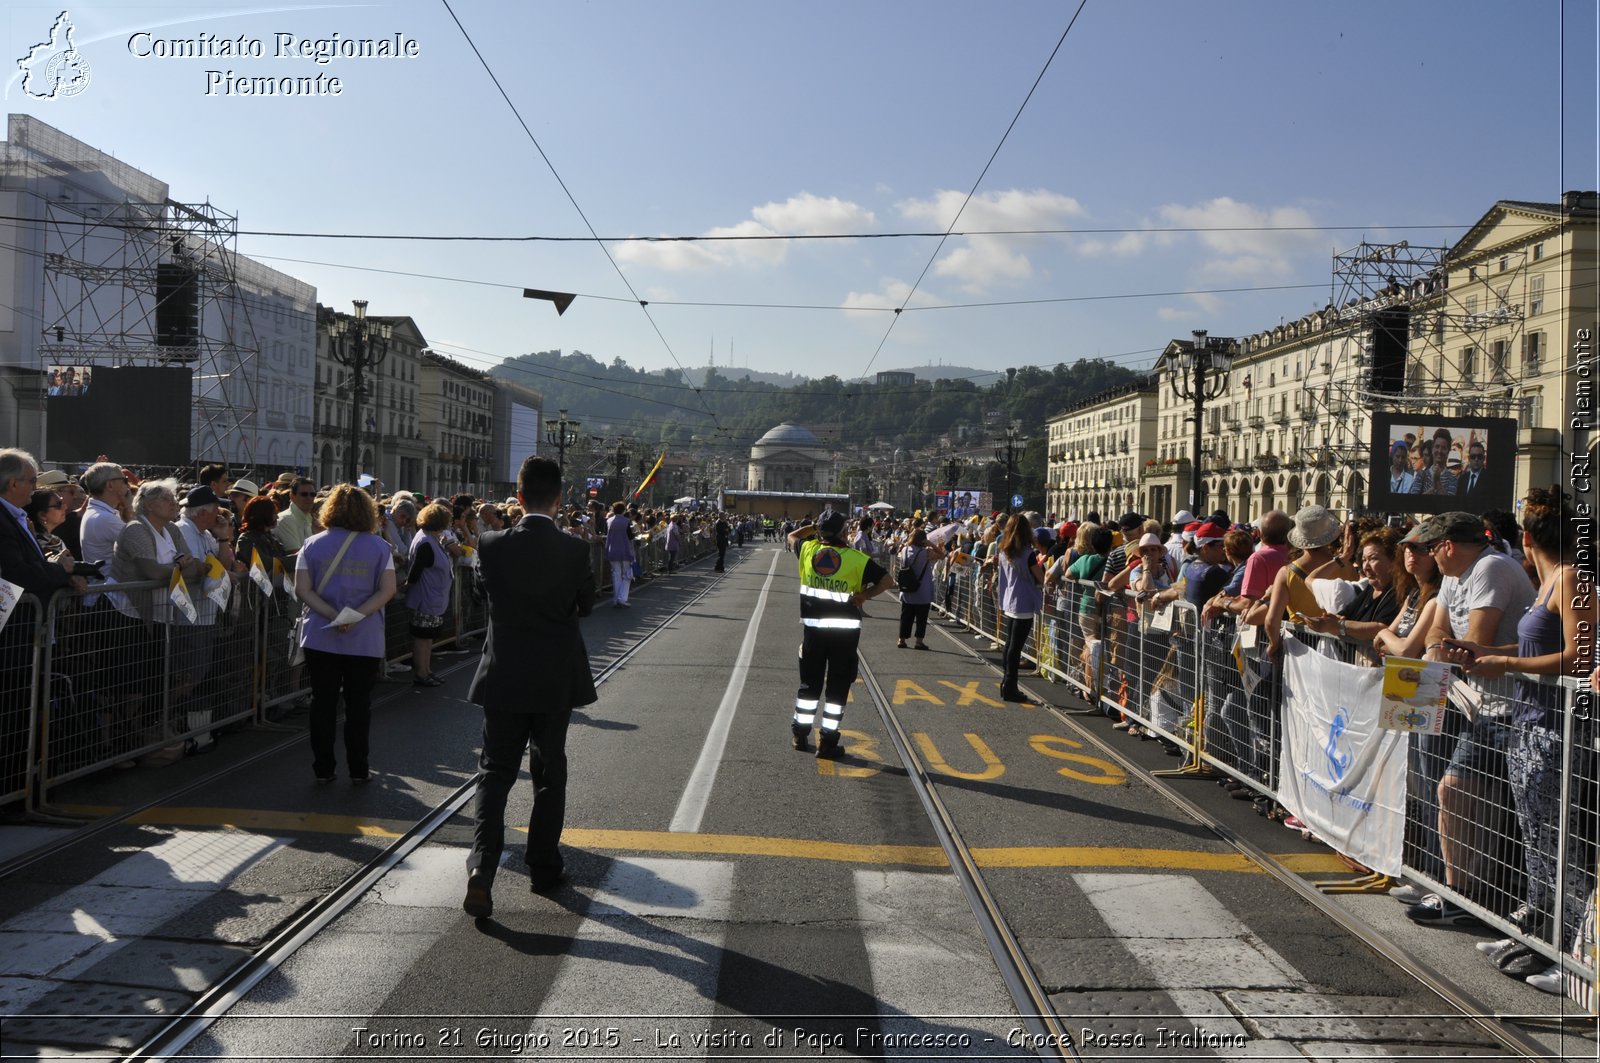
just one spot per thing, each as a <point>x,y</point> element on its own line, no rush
<point>1021,579</point>
<point>344,576</point>
<point>619,551</point>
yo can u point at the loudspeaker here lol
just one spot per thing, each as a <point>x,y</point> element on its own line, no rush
<point>177,305</point>
<point>1389,349</point>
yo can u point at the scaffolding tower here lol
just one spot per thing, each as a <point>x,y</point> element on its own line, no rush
<point>156,284</point>
<point>1400,340</point>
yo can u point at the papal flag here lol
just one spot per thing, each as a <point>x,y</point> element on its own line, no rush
<point>178,594</point>
<point>648,480</point>
<point>282,575</point>
<point>218,586</point>
<point>258,573</point>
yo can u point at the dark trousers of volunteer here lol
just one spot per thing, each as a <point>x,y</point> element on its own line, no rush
<point>722,556</point>
<point>505,735</point>
<point>827,670</point>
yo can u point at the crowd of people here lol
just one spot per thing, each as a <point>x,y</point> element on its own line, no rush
<point>1489,594</point>
<point>135,666</point>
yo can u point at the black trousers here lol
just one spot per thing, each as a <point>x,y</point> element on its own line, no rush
<point>505,735</point>
<point>914,614</point>
<point>355,676</point>
<point>1017,632</point>
<point>722,555</point>
<point>828,667</point>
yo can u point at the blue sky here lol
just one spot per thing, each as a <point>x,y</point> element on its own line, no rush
<point>686,118</point>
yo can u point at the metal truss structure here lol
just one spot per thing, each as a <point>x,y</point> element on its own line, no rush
<point>1393,304</point>
<point>107,270</point>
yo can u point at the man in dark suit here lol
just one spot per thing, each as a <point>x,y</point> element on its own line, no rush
<point>21,560</point>
<point>534,672</point>
<point>1471,484</point>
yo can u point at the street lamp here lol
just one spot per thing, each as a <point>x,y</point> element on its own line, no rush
<point>1005,451</point>
<point>358,344</point>
<point>1200,374</point>
<point>561,436</point>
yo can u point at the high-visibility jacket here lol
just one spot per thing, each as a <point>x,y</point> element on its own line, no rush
<point>829,576</point>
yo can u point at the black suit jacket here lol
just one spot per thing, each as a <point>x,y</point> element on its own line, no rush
<point>538,583</point>
<point>22,563</point>
<point>1477,491</point>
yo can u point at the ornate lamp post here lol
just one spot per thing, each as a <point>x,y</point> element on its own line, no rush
<point>561,435</point>
<point>1201,374</point>
<point>358,344</point>
<point>1005,451</point>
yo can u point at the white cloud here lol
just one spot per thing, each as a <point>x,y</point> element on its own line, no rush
<point>891,294</point>
<point>800,215</point>
<point>977,262</point>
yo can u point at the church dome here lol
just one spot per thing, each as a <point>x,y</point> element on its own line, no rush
<point>789,435</point>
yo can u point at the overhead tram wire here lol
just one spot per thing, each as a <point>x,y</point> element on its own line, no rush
<point>643,304</point>
<point>974,189</point>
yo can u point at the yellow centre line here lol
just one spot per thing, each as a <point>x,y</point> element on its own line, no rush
<point>752,845</point>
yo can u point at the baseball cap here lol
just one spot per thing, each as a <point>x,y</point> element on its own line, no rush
<point>201,496</point>
<point>1457,526</point>
<point>1183,516</point>
<point>832,524</point>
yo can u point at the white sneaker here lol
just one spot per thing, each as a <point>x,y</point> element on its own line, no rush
<point>1493,949</point>
<point>1406,893</point>
<point>1548,980</point>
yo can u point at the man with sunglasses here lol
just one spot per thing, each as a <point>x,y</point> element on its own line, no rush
<point>107,485</point>
<point>296,524</point>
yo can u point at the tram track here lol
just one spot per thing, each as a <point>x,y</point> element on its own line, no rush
<point>1449,993</point>
<point>189,1024</point>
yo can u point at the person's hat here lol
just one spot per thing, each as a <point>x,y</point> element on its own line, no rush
<point>1189,529</point>
<point>1044,535</point>
<point>244,487</point>
<point>1151,539</point>
<point>201,496</point>
<point>50,478</point>
<point>1219,517</point>
<point>1454,461</point>
<point>1456,526</point>
<point>1183,516</point>
<point>286,479</point>
<point>1129,521</point>
<point>832,526</point>
<point>1210,532</point>
<point>1414,535</point>
<point>1314,526</point>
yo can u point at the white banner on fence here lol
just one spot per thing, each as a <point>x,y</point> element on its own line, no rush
<point>1342,774</point>
<point>10,593</point>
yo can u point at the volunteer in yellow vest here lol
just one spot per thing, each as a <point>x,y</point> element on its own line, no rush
<point>834,581</point>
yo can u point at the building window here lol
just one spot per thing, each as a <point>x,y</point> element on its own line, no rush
<point>1536,295</point>
<point>1469,358</point>
<point>1538,252</point>
<point>1498,350</point>
<point>1532,351</point>
<point>1505,263</point>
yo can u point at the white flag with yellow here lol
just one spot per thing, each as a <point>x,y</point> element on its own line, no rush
<point>258,573</point>
<point>218,586</point>
<point>178,594</point>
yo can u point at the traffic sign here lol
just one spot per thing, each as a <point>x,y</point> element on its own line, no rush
<point>1016,501</point>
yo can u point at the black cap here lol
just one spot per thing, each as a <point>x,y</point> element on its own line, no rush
<point>832,526</point>
<point>1129,521</point>
<point>201,496</point>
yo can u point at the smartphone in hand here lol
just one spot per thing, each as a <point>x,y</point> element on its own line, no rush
<point>1456,644</point>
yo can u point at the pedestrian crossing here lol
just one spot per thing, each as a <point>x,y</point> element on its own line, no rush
<point>682,958</point>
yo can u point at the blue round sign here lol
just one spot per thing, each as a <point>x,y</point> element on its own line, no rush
<point>1016,501</point>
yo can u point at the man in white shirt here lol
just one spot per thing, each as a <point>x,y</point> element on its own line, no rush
<point>107,485</point>
<point>1482,596</point>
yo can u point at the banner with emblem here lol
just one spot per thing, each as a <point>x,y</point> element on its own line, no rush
<point>1340,772</point>
<point>178,594</point>
<point>258,573</point>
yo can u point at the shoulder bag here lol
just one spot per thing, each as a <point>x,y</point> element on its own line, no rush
<point>297,651</point>
<point>909,579</point>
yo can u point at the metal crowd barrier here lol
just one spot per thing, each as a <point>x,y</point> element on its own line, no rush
<point>99,680</point>
<point>1511,836</point>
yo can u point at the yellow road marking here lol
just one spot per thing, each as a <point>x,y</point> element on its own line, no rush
<point>750,845</point>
